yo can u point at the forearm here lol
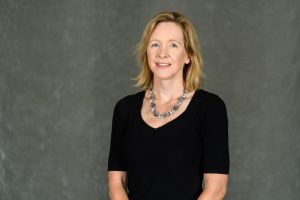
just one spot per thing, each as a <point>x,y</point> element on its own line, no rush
<point>215,186</point>
<point>117,192</point>
<point>211,195</point>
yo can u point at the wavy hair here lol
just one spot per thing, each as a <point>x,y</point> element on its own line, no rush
<point>192,72</point>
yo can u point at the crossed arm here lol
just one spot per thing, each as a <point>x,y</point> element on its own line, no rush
<point>215,186</point>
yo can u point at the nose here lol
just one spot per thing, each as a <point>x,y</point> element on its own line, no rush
<point>163,52</point>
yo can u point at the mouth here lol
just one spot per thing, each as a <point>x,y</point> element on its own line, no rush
<point>163,65</point>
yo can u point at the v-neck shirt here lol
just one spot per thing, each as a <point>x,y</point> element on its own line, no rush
<point>168,162</point>
<point>170,122</point>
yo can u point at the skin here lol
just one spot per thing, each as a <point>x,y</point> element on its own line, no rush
<point>166,46</point>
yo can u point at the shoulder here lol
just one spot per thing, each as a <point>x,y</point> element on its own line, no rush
<point>127,102</point>
<point>211,99</point>
<point>214,111</point>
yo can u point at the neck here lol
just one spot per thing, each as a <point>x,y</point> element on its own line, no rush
<point>167,90</point>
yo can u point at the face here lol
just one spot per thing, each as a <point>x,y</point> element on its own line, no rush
<point>166,52</point>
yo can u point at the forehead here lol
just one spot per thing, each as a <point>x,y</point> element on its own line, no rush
<point>167,30</point>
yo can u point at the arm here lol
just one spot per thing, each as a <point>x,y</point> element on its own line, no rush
<point>215,186</point>
<point>117,185</point>
<point>117,165</point>
<point>215,162</point>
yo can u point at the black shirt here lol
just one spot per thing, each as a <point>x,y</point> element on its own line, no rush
<point>168,162</point>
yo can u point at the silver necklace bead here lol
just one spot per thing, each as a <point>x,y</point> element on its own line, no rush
<point>170,112</point>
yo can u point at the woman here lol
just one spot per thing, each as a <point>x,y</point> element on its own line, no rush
<point>171,135</point>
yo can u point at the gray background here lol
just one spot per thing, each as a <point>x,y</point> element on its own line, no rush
<point>64,64</point>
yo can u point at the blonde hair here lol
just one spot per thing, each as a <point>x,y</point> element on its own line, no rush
<point>192,72</point>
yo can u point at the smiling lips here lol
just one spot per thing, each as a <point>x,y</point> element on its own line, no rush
<point>163,64</point>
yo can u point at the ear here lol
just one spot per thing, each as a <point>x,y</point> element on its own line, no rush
<point>187,61</point>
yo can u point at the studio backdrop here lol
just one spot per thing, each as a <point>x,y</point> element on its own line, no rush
<point>64,64</point>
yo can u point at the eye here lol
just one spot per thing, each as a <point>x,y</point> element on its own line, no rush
<point>154,45</point>
<point>174,45</point>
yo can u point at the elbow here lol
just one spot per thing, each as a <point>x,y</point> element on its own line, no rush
<point>117,185</point>
<point>216,185</point>
<point>116,191</point>
<point>220,193</point>
<point>216,193</point>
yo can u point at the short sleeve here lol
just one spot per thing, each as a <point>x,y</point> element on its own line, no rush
<point>215,158</point>
<point>116,160</point>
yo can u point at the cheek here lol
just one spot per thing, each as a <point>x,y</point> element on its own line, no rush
<point>150,55</point>
<point>179,57</point>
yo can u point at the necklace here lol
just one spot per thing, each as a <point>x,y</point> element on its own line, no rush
<point>170,112</point>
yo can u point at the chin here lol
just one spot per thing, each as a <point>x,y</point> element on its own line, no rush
<point>164,76</point>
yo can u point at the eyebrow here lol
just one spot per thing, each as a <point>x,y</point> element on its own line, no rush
<point>171,40</point>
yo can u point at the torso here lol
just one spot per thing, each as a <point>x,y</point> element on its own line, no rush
<point>168,158</point>
<point>154,122</point>
<point>164,155</point>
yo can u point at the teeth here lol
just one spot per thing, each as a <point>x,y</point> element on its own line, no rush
<point>163,64</point>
